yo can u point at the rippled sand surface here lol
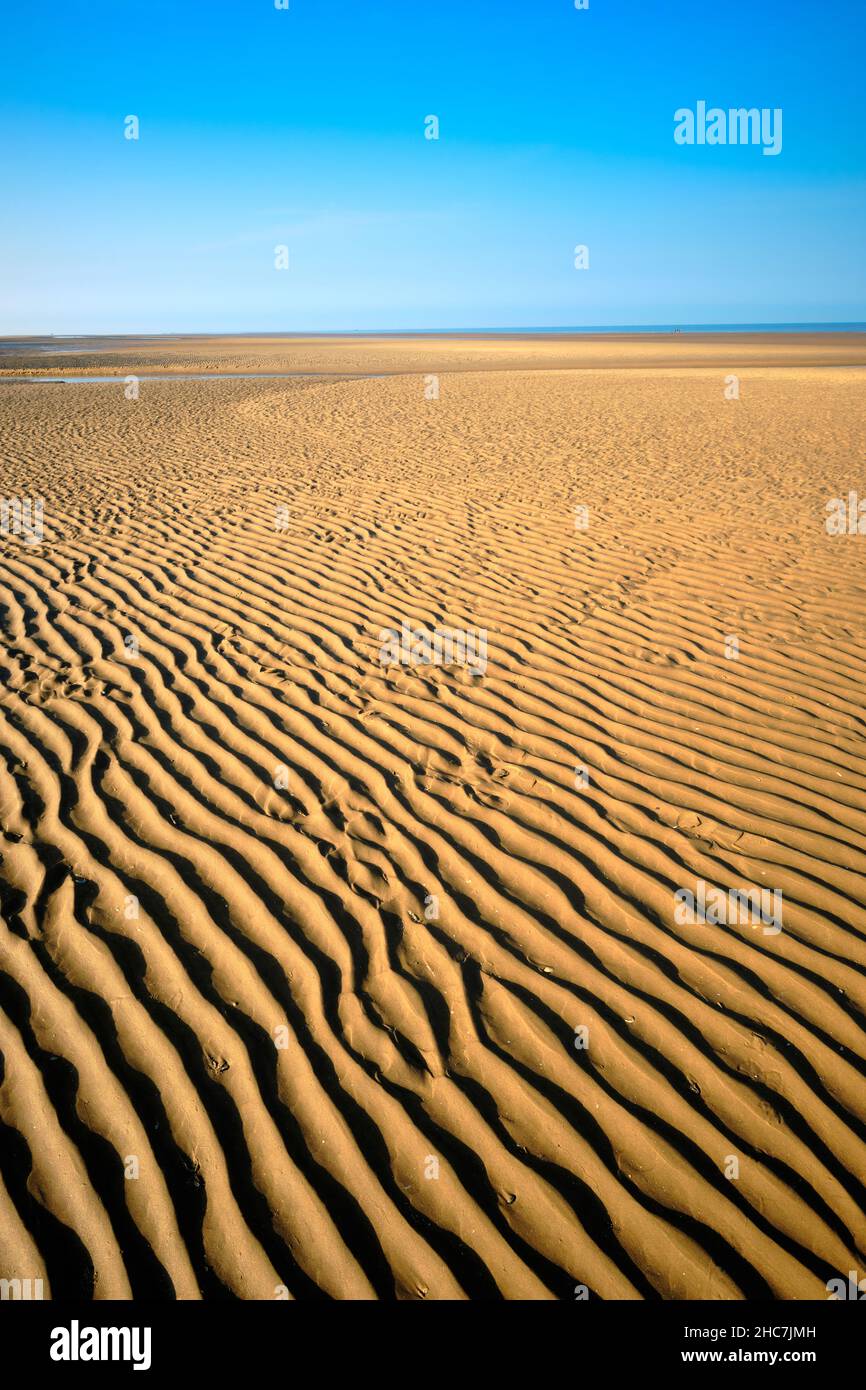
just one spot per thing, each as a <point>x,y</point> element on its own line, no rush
<point>323,976</point>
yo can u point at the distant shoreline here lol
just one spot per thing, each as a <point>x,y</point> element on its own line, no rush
<point>324,356</point>
<point>50,342</point>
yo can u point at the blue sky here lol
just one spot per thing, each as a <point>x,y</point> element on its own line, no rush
<point>305,128</point>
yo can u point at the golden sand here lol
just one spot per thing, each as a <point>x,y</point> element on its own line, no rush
<point>324,974</point>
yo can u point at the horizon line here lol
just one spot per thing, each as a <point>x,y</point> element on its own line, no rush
<point>818,325</point>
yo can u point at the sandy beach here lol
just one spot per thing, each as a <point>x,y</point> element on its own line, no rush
<point>340,963</point>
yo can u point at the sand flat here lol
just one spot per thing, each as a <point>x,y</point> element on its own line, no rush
<point>312,938</point>
<point>364,353</point>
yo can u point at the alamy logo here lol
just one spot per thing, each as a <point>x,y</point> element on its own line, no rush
<point>23,1290</point>
<point>847,516</point>
<point>742,907</point>
<point>444,646</point>
<point>76,1343</point>
<point>737,126</point>
<point>850,1288</point>
<point>22,516</point>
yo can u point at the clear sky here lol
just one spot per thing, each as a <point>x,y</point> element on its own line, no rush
<point>305,128</point>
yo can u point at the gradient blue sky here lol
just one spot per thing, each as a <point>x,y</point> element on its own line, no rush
<point>261,127</point>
